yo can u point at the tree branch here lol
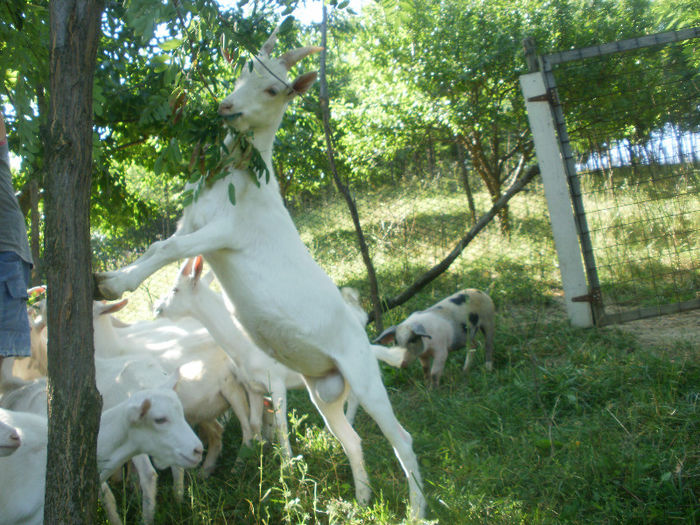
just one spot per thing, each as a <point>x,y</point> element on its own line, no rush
<point>325,113</point>
<point>435,271</point>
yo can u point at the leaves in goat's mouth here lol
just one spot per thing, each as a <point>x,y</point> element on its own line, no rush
<point>211,161</point>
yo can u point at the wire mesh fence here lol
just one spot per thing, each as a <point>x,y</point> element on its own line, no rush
<point>633,123</point>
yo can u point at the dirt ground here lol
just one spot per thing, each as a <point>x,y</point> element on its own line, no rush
<point>673,333</point>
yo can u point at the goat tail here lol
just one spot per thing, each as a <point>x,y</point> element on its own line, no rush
<point>391,355</point>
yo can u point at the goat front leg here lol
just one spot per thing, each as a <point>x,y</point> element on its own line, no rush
<point>109,504</point>
<point>279,402</point>
<point>214,236</point>
<point>148,479</point>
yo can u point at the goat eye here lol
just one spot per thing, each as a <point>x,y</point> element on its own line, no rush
<point>271,91</point>
<point>161,420</point>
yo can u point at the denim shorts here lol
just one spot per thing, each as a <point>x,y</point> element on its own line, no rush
<point>14,321</point>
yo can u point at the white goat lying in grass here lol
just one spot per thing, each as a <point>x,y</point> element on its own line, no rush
<point>283,298</point>
<point>150,422</point>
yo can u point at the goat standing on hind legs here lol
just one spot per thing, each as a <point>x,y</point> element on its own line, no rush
<point>286,302</point>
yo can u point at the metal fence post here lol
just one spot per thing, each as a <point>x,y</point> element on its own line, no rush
<point>554,177</point>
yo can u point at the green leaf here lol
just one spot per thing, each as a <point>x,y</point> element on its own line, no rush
<point>232,193</point>
<point>171,44</point>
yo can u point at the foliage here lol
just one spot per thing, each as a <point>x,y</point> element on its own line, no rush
<point>447,72</point>
<point>574,425</point>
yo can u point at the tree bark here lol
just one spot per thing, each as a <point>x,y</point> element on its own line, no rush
<point>74,404</point>
<point>464,173</point>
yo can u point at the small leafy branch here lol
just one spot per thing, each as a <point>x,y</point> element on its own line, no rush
<point>220,149</point>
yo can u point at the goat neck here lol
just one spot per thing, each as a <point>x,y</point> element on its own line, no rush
<point>113,445</point>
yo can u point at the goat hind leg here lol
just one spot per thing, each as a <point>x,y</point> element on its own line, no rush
<point>366,382</point>
<point>279,401</point>
<point>340,427</point>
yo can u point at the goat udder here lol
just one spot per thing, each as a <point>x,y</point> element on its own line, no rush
<point>330,387</point>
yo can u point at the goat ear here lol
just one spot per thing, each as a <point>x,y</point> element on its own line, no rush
<point>387,336</point>
<point>113,307</point>
<point>302,84</point>
<point>186,268</point>
<point>137,410</point>
<point>197,267</point>
<point>36,290</point>
<point>145,407</point>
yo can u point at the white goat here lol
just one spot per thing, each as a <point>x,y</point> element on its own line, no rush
<point>445,326</point>
<point>9,440</point>
<point>150,422</point>
<point>261,374</point>
<point>36,365</point>
<point>283,298</point>
<point>210,382</point>
<point>208,385</point>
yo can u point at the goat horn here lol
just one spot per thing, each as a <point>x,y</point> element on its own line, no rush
<point>269,44</point>
<point>295,55</point>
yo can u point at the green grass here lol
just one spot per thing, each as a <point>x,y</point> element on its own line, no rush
<point>573,426</point>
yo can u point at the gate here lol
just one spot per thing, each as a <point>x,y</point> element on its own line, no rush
<point>622,175</point>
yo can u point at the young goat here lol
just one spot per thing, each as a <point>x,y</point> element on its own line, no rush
<point>447,325</point>
<point>150,422</point>
<point>285,301</point>
<point>261,373</point>
<point>209,384</point>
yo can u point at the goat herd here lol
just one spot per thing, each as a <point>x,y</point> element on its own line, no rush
<point>280,323</point>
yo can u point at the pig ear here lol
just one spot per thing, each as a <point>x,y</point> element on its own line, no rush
<point>419,330</point>
<point>387,336</point>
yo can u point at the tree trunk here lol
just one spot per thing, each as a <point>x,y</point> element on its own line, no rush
<point>489,175</point>
<point>74,404</point>
<point>464,173</point>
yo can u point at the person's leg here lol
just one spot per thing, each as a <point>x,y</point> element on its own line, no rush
<point>14,320</point>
